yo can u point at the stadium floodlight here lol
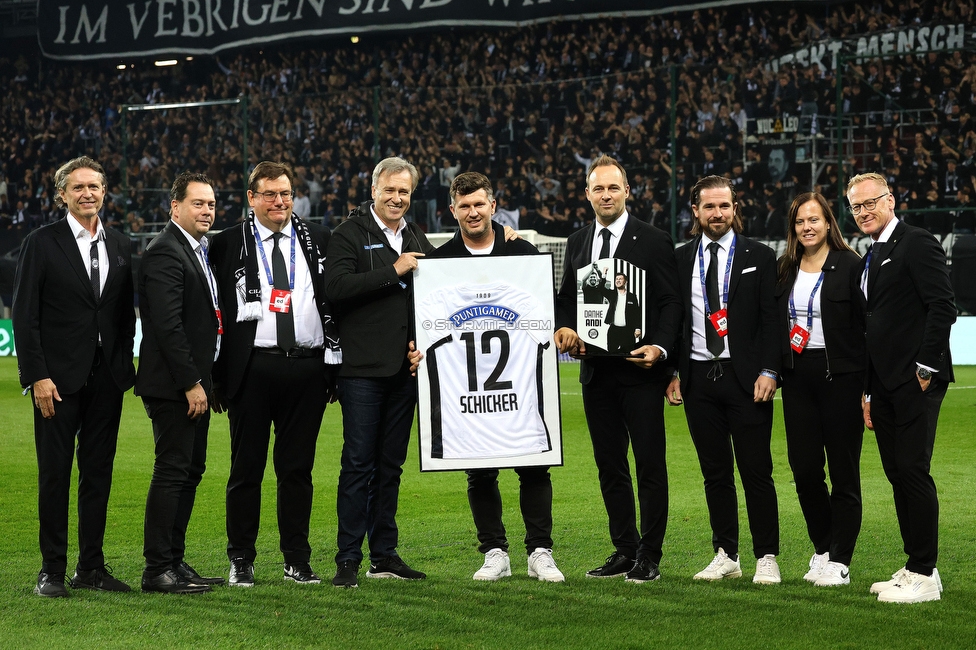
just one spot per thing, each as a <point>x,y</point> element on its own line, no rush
<point>120,66</point>
<point>165,62</point>
<point>354,39</point>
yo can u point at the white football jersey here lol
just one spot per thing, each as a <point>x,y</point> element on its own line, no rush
<point>485,368</point>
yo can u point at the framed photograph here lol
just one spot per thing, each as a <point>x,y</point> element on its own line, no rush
<point>609,314</point>
<point>489,380</point>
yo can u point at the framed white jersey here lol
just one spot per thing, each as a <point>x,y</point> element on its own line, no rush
<point>488,384</point>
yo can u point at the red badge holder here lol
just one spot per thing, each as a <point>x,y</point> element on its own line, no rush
<point>280,301</point>
<point>720,321</point>
<point>220,321</point>
<point>798,338</point>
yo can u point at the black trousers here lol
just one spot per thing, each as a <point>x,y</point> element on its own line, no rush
<point>535,501</point>
<point>824,423</point>
<point>91,416</point>
<point>619,415</point>
<point>728,429</point>
<point>289,393</point>
<point>181,458</point>
<point>905,421</point>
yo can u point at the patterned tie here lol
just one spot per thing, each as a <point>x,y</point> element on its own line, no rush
<point>714,342</point>
<point>95,278</point>
<point>284,320</point>
<point>605,248</point>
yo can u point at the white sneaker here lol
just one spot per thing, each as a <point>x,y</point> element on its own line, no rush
<point>767,571</point>
<point>912,588</point>
<point>720,567</point>
<point>878,587</point>
<point>543,567</point>
<point>497,565</point>
<point>817,564</point>
<point>938,578</point>
<point>834,574</point>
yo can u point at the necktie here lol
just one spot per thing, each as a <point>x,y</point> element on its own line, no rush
<point>871,265</point>
<point>284,320</point>
<point>714,342</point>
<point>605,248</point>
<point>95,278</point>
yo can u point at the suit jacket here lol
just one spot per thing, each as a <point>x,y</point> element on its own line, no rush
<point>238,338</point>
<point>179,326</point>
<point>753,333</point>
<point>373,304</point>
<point>57,321</point>
<point>631,310</point>
<point>842,317</point>
<point>648,248</point>
<point>910,307</point>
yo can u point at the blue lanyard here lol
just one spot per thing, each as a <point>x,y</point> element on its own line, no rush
<point>264,259</point>
<point>809,304</point>
<point>728,273</point>
<point>211,283</point>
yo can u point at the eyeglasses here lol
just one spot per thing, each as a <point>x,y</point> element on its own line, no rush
<point>269,197</point>
<point>867,205</point>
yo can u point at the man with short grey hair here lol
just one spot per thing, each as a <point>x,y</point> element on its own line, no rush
<point>369,279</point>
<point>74,323</point>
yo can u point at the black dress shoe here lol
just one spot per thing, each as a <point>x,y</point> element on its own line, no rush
<point>617,564</point>
<point>644,571</point>
<point>100,579</point>
<point>168,582</point>
<point>50,585</point>
<point>187,572</point>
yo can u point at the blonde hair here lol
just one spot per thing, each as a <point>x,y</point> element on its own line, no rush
<point>869,176</point>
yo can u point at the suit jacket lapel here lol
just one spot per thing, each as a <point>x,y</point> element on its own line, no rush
<point>70,249</point>
<point>739,261</point>
<point>628,238</point>
<point>192,257</point>
<point>883,254</point>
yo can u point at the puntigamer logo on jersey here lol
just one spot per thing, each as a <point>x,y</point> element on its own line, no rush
<point>462,316</point>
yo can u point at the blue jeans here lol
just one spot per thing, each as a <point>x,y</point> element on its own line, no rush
<point>377,413</point>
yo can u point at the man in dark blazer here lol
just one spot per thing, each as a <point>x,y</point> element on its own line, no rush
<point>371,258</point>
<point>728,365</point>
<point>622,333</point>
<point>74,325</point>
<point>276,366</point>
<point>180,316</point>
<point>622,398</point>
<point>910,309</point>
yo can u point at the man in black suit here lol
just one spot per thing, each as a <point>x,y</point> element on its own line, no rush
<point>910,309</point>
<point>728,366</point>
<point>73,325</point>
<point>624,326</point>
<point>371,258</point>
<point>276,366</point>
<point>622,398</point>
<point>180,316</point>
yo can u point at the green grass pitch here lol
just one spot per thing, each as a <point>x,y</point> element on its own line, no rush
<point>449,610</point>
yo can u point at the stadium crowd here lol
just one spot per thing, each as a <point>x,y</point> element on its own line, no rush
<point>529,107</point>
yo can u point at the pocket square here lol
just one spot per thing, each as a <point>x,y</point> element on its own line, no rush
<point>748,270</point>
<point>886,261</point>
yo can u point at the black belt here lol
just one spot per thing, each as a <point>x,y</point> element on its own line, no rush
<point>294,353</point>
<point>712,362</point>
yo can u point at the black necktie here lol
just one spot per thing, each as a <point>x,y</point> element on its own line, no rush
<point>605,249</point>
<point>285,320</point>
<point>95,278</point>
<point>873,264</point>
<point>714,342</point>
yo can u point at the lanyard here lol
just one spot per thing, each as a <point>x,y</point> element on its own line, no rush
<point>809,304</point>
<point>211,283</point>
<point>264,259</point>
<point>728,273</point>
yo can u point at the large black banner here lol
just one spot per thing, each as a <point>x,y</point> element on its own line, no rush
<point>99,29</point>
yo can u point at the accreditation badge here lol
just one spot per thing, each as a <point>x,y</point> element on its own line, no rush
<point>220,321</point>
<point>798,338</point>
<point>280,302</point>
<point>720,321</point>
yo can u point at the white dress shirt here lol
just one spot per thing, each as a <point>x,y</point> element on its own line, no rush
<point>394,238</point>
<point>308,324</point>
<point>616,231</point>
<point>699,321</point>
<point>84,240</point>
<point>199,248</point>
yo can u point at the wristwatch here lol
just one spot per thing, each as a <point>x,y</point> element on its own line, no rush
<point>924,374</point>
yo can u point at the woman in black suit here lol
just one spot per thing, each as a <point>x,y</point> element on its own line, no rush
<point>823,378</point>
